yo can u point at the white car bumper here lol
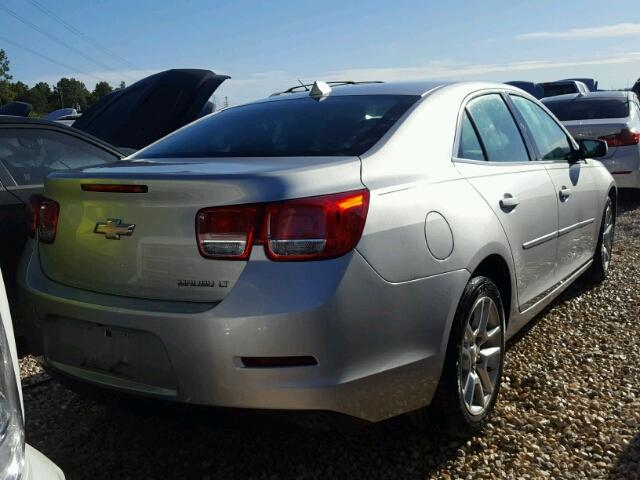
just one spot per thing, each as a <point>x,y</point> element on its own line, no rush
<point>39,467</point>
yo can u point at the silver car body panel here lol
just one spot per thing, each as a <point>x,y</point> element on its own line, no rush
<point>377,319</point>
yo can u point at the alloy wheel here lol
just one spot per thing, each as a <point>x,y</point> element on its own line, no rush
<point>480,356</point>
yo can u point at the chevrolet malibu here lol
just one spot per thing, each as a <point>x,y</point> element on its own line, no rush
<point>363,249</point>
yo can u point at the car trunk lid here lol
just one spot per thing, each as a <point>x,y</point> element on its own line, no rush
<point>144,244</point>
<point>590,129</point>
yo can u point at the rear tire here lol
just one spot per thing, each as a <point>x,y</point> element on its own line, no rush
<point>597,273</point>
<point>472,371</point>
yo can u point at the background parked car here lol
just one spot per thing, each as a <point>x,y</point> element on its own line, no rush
<point>319,251</point>
<point>531,88</point>
<point>30,149</point>
<point>17,459</point>
<point>563,87</point>
<point>613,116</point>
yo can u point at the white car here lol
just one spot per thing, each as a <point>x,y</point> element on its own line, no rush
<point>18,461</point>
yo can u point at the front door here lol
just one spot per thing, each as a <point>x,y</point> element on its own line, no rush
<point>575,189</point>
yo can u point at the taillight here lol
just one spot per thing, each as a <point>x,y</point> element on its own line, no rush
<point>624,138</point>
<point>314,228</point>
<point>226,232</point>
<point>311,228</point>
<point>44,218</point>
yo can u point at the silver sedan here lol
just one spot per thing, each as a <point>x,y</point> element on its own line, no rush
<point>363,249</point>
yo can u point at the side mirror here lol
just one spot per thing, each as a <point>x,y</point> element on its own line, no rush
<point>591,149</point>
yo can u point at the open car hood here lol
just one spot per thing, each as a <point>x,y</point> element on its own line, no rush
<point>151,108</point>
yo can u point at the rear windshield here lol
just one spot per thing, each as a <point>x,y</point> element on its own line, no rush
<point>552,90</point>
<point>330,126</point>
<point>589,108</point>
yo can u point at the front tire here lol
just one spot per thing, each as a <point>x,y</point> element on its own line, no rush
<point>470,381</point>
<point>597,273</point>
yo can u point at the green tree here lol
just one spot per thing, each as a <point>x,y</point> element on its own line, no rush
<point>42,98</point>
<point>4,66</point>
<point>72,93</point>
<point>101,89</point>
<point>6,92</point>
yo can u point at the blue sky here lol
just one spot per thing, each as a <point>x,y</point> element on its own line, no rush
<point>267,46</point>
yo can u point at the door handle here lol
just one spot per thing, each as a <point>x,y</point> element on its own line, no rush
<point>564,193</point>
<point>508,202</point>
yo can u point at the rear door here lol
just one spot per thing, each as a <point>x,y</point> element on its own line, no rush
<point>492,155</point>
<point>574,184</point>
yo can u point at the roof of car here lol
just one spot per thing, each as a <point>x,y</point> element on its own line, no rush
<point>417,88</point>
<point>598,94</point>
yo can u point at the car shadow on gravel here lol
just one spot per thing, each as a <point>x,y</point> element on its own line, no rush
<point>628,465</point>
<point>146,439</point>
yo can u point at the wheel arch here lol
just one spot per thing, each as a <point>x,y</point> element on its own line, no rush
<point>495,267</point>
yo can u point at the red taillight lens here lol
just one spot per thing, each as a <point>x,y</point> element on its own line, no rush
<point>315,228</point>
<point>624,138</point>
<point>226,232</point>
<point>44,218</point>
<point>33,212</point>
<point>311,228</point>
<point>113,188</point>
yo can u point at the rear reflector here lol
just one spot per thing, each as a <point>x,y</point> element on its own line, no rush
<point>624,138</point>
<point>276,362</point>
<point>113,188</point>
<point>312,228</point>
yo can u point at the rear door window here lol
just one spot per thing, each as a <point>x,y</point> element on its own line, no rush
<point>30,154</point>
<point>470,147</point>
<point>551,140</point>
<point>498,131</point>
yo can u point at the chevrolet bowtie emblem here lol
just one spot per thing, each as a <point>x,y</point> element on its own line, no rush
<point>113,228</point>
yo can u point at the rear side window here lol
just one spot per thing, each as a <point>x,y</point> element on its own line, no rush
<point>550,139</point>
<point>589,108</point>
<point>30,154</point>
<point>331,126</point>
<point>497,129</point>
<point>470,147</point>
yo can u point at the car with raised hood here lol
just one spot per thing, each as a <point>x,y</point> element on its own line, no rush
<point>612,116</point>
<point>364,249</point>
<point>18,460</point>
<point>130,118</point>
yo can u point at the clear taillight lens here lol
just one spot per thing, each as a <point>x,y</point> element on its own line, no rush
<point>11,421</point>
<point>310,228</point>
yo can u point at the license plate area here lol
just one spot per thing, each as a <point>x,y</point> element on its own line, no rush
<point>130,354</point>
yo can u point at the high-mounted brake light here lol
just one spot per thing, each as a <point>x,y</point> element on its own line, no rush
<point>310,228</point>
<point>44,218</point>
<point>623,138</point>
<point>113,188</point>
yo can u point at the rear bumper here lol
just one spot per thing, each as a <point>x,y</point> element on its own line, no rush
<point>627,180</point>
<point>379,346</point>
<point>624,166</point>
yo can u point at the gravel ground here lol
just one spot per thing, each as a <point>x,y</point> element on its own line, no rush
<point>569,408</point>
